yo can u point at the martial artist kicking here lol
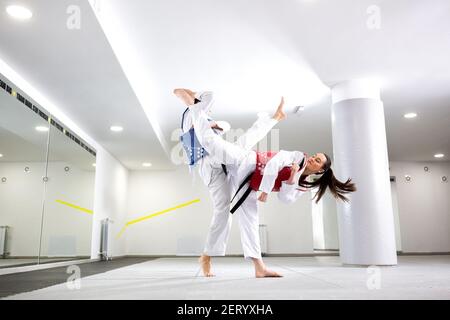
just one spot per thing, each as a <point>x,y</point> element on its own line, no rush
<point>266,172</point>
<point>214,176</point>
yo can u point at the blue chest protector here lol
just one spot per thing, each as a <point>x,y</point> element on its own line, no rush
<point>191,145</point>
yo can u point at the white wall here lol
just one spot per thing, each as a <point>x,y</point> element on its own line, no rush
<point>423,224</point>
<point>111,188</point>
<point>324,217</point>
<point>424,206</point>
<point>421,208</point>
<point>330,229</point>
<point>67,231</point>
<point>289,227</point>
<point>21,206</point>
<point>317,224</point>
<point>398,234</point>
<point>184,230</point>
<point>21,200</point>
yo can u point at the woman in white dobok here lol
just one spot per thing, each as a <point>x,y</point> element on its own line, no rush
<point>215,178</point>
<point>285,172</point>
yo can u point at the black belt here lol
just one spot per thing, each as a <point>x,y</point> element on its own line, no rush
<point>224,168</point>
<point>244,196</point>
<point>247,192</point>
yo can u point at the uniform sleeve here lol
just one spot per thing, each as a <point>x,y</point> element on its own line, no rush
<point>280,160</point>
<point>289,193</point>
<point>206,99</point>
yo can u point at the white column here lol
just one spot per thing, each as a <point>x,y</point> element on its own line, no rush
<point>111,191</point>
<point>366,223</point>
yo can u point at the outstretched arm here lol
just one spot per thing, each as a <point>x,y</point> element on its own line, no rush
<point>260,128</point>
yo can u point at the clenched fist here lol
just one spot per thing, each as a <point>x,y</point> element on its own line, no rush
<point>262,197</point>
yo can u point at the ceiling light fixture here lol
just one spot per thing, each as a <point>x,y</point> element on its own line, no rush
<point>146,164</point>
<point>19,12</point>
<point>116,129</point>
<point>410,115</point>
<point>42,129</point>
<point>439,155</point>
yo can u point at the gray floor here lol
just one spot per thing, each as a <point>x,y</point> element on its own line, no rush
<point>16,283</point>
<point>14,262</point>
<point>415,277</point>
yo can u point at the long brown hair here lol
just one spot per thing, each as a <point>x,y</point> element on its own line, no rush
<point>337,188</point>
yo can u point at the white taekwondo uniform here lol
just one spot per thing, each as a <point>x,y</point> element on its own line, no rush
<point>240,163</point>
<point>212,174</point>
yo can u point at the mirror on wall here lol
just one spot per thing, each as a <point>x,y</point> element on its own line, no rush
<point>69,200</point>
<point>46,185</point>
<point>23,146</point>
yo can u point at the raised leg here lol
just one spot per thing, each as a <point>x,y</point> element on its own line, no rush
<point>256,133</point>
<point>221,150</point>
<point>261,128</point>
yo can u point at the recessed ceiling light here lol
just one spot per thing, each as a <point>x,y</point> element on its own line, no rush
<point>439,155</point>
<point>147,164</point>
<point>1,156</point>
<point>94,165</point>
<point>116,129</point>
<point>19,12</point>
<point>410,115</point>
<point>42,129</point>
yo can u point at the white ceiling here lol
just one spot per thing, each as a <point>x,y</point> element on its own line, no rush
<point>78,72</point>
<point>249,53</point>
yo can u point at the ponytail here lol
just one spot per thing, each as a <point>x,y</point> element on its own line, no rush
<point>337,188</point>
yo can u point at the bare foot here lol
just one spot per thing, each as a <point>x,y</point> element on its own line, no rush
<point>279,114</point>
<point>205,263</point>
<point>266,273</point>
<point>185,95</point>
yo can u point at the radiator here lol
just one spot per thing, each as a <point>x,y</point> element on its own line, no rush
<point>3,238</point>
<point>263,238</point>
<point>104,240</point>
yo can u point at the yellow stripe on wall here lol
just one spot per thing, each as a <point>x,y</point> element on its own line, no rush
<point>75,207</point>
<point>129,223</point>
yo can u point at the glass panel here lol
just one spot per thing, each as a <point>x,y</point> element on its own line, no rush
<point>69,200</point>
<point>23,149</point>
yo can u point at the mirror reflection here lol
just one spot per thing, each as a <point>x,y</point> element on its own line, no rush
<point>69,200</point>
<point>47,181</point>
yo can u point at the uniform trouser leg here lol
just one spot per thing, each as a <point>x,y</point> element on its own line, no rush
<point>260,128</point>
<point>222,151</point>
<point>248,218</point>
<point>229,153</point>
<point>219,229</point>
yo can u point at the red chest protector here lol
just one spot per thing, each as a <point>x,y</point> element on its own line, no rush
<point>255,178</point>
<point>261,160</point>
